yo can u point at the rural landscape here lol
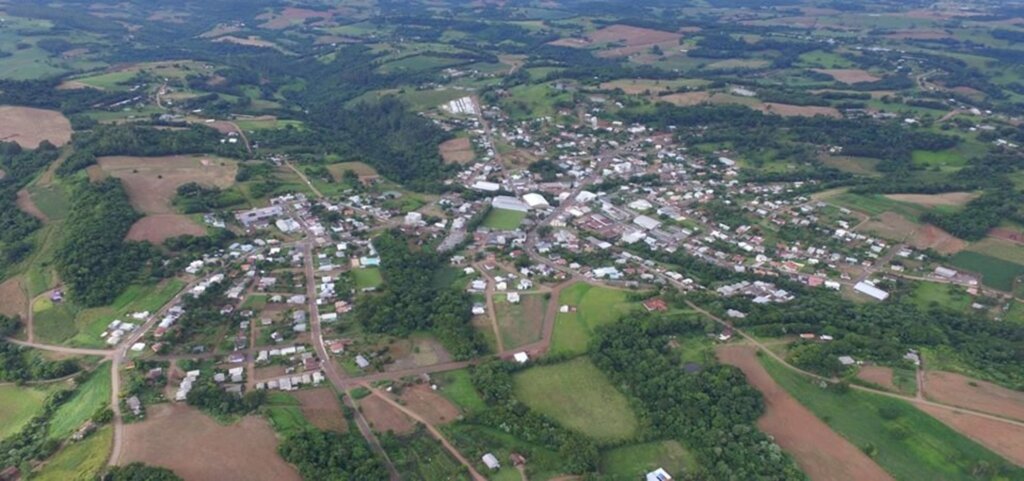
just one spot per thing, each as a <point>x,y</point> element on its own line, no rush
<point>511,240</point>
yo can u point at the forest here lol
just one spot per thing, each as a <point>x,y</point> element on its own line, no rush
<point>330,456</point>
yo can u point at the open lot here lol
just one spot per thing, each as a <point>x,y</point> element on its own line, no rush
<point>457,151</point>
<point>183,439</point>
<point>367,277</point>
<point>575,393</point>
<point>383,417</point>
<point>458,388</point>
<point>594,306</point>
<point>433,407</point>
<point>322,408</point>
<point>878,375</point>
<point>909,444</point>
<point>820,452</point>
<point>787,110</point>
<point>28,126</point>
<point>959,390</point>
<point>521,323</point>
<point>152,182</point>
<point>158,228</point>
<point>688,98</point>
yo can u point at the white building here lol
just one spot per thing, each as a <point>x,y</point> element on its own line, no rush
<point>536,201</point>
<point>491,461</point>
<point>871,291</point>
<point>509,203</point>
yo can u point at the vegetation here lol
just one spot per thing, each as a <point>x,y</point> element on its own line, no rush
<point>331,456</point>
<point>139,472</point>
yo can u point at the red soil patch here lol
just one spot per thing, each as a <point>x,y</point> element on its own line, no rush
<point>457,151</point>
<point>322,408</point>
<point>848,75</point>
<point>819,451</point>
<point>787,110</point>
<point>384,417</point>
<point>956,390</point>
<point>1004,439</point>
<point>28,206</point>
<point>28,127</point>
<point>430,405</point>
<point>878,375</point>
<point>158,228</point>
<point>13,301</point>
<point>197,448</point>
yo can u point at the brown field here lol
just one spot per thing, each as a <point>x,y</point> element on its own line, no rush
<point>932,200</point>
<point>632,39</point>
<point>250,41</point>
<point>13,301</point>
<point>1007,234</point>
<point>879,375</point>
<point>687,99</point>
<point>384,417</point>
<point>322,408</point>
<point>197,448</point>
<point>363,170</point>
<point>957,390</point>
<point>787,110</point>
<point>430,405</point>
<point>636,87</point>
<point>1006,440</point>
<point>152,182</point>
<point>158,228</point>
<point>919,34</point>
<point>457,151</point>
<point>893,226</point>
<point>28,127</point>
<point>290,16</point>
<point>28,206</point>
<point>929,236</point>
<point>819,451</point>
<point>848,75</point>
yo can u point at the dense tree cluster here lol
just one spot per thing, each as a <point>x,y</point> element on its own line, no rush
<point>330,456</point>
<point>711,411</point>
<point>409,301</point>
<point>192,198</point>
<point>980,215</point>
<point>210,397</point>
<point>139,472</point>
<point>93,259</point>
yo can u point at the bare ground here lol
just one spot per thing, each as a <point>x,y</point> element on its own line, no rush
<point>957,390</point>
<point>197,448</point>
<point>384,417</point>
<point>819,451</point>
<point>28,126</point>
<point>1004,439</point>
<point>932,200</point>
<point>879,375</point>
<point>891,225</point>
<point>430,405</point>
<point>322,408</point>
<point>158,228</point>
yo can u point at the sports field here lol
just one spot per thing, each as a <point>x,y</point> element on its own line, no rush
<point>503,219</point>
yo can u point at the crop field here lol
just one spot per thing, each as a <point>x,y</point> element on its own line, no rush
<point>595,306</point>
<point>503,219</point>
<point>152,182</point>
<point>20,405</point>
<point>959,390</point>
<point>632,462</point>
<point>418,63</point>
<point>90,397</point>
<point>852,165</point>
<point>158,228</point>
<point>906,442</point>
<point>29,126</point>
<point>521,323</point>
<point>80,461</point>
<point>849,75</point>
<point>433,407</point>
<point>457,151</point>
<point>117,79</point>
<point>13,301</point>
<point>654,86</point>
<point>533,101</point>
<point>998,247</point>
<point>575,393</point>
<point>1005,439</point>
<point>367,277</point>
<point>996,273</point>
<point>950,199</point>
<point>181,438</point>
<point>819,451</point>
<point>458,388</point>
<point>322,408</point>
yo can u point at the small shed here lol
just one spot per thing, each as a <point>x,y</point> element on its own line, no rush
<point>491,461</point>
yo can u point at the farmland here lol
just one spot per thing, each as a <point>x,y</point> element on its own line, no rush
<point>20,404</point>
<point>904,441</point>
<point>575,393</point>
<point>28,126</point>
<point>152,182</point>
<point>995,273</point>
<point>80,461</point>
<point>90,397</point>
<point>594,306</point>
<point>160,227</point>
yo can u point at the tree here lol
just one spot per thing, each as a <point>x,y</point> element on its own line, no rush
<point>139,472</point>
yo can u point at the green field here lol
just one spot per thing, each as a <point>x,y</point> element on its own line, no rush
<point>90,397</point>
<point>503,219</point>
<point>595,306</point>
<point>285,414</point>
<point>945,295</point>
<point>367,277</point>
<point>875,204</point>
<point>521,323</point>
<point>632,462</point>
<point>268,124</point>
<point>20,404</point>
<point>80,461</point>
<point>575,393</point>
<point>52,200</point>
<point>533,101</point>
<point>995,273</point>
<point>458,388</point>
<point>904,441</point>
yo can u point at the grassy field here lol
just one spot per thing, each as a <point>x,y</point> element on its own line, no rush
<point>575,393</point>
<point>90,397</point>
<point>503,219</point>
<point>996,273</point>
<point>904,441</point>
<point>595,306</point>
<point>19,405</point>
<point>367,277</point>
<point>874,205</point>
<point>79,461</point>
<point>284,413</point>
<point>632,462</point>
<point>458,388</point>
<point>945,295</point>
<point>521,323</point>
